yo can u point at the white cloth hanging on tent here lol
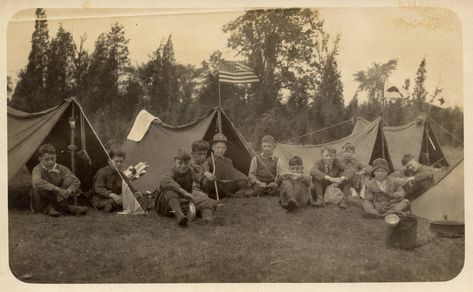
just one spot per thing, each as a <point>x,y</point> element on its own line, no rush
<point>129,202</point>
<point>141,125</point>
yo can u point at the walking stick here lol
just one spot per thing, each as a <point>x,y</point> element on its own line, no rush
<point>215,179</point>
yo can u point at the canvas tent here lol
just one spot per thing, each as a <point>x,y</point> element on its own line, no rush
<point>416,138</point>
<point>159,141</point>
<point>445,198</point>
<point>369,142</point>
<point>28,131</point>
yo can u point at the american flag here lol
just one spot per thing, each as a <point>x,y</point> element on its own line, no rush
<point>235,72</point>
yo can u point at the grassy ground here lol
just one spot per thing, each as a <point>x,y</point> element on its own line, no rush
<point>261,242</point>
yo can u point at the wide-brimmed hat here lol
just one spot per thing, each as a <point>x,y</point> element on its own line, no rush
<point>381,163</point>
<point>219,137</point>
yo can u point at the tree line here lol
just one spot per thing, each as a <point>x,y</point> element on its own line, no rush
<point>295,59</point>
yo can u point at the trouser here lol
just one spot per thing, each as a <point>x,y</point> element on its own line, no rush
<point>225,188</point>
<point>294,191</point>
<point>414,190</point>
<point>259,191</point>
<point>385,208</point>
<point>105,204</point>
<point>167,202</point>
<point>41,198</point>
<point>319,187</point>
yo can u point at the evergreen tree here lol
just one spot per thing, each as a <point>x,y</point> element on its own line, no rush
<point>328,105</point>
<point>60,81</point>
<point>30,93</point>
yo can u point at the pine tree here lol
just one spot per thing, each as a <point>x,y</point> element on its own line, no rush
<point>60,81</point>
<point>30,93</point>
<point>420,93</point>
<point>328,105</point>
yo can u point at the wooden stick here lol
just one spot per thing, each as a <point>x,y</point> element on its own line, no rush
<point>215,179</point>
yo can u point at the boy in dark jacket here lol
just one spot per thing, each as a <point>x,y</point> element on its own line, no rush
<point>330,170</point>
<point>230,181</point>
<point>176,192</point>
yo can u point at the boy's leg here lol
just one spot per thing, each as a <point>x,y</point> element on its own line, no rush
<point>288,195</point>
<point>400,207</point>
<point>318,192</point>
<point>370,210</point>
<point>62,205</point>
<point>172,199</point>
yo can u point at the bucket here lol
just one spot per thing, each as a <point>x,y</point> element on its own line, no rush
<point>404,234</point>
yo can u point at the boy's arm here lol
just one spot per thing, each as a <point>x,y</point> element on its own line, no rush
<point>99,185</point>
<point>40,183</point>
<point>74,187</point>
<point>316,173</point>
<point>252,171</point>
<point>399,191</point>
<point>369,193</point>
<point>426,173</point>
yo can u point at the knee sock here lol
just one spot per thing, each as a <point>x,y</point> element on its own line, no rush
<point>176,207</point>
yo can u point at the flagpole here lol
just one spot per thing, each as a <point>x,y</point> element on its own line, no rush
<point>219,97</point>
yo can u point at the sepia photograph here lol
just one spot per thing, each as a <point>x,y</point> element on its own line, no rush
<point>235,145</point>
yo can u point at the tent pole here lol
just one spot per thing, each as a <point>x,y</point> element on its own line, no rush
<point>72,146</point>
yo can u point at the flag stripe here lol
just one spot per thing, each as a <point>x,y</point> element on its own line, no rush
<point>235,72</point>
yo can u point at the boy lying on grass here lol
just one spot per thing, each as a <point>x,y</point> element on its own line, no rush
<point>176,192</point>
<point>384,194</point>
<point>294,190</point>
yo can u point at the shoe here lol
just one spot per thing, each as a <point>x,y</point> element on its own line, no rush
<point>248,192</point>
<point>107,208</point>
<point>77,210</point>
<point>53,213</point>
<point>318,203</point>
<point>182,221</point>
<point>343,204</point>
<point>292,205</point>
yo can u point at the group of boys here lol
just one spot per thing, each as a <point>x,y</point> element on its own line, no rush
<point>197,179</point>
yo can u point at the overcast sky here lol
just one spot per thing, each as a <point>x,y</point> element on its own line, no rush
<point>368,35</point>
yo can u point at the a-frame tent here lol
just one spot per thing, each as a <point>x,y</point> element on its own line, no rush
<point>369,143</point>
<point>416,138</point>
<point>159,143</point>
<point>28,131</point>
<point>446,198</point>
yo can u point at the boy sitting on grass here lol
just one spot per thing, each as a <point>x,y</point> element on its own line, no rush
<point>330,170</point>
<point>295,185</point>
<point>107,186</point>
<point>54,184</point>
<point>176,192</point>
<point>265,168</point>
<point>361,172</point>
<point>384,194</point>
<point>230,181</point>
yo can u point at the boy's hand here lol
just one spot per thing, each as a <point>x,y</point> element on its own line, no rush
<point>190,196</point>
<point>273,185</point>
<point>116,198</point>
<point>261,184</point>
<point>209,176</point>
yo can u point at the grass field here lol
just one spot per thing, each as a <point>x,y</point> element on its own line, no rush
<point>260,242</point>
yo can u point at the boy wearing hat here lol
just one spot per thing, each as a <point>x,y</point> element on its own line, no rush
<point>419,178</point>
<point>330,170</point>
<point>384,194</point>
<point>54,183</point>
<point>176,192</point>
<point>230,181</point>
<point>107,184</point>
<point>265,168</point>
<point>295,185</point>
